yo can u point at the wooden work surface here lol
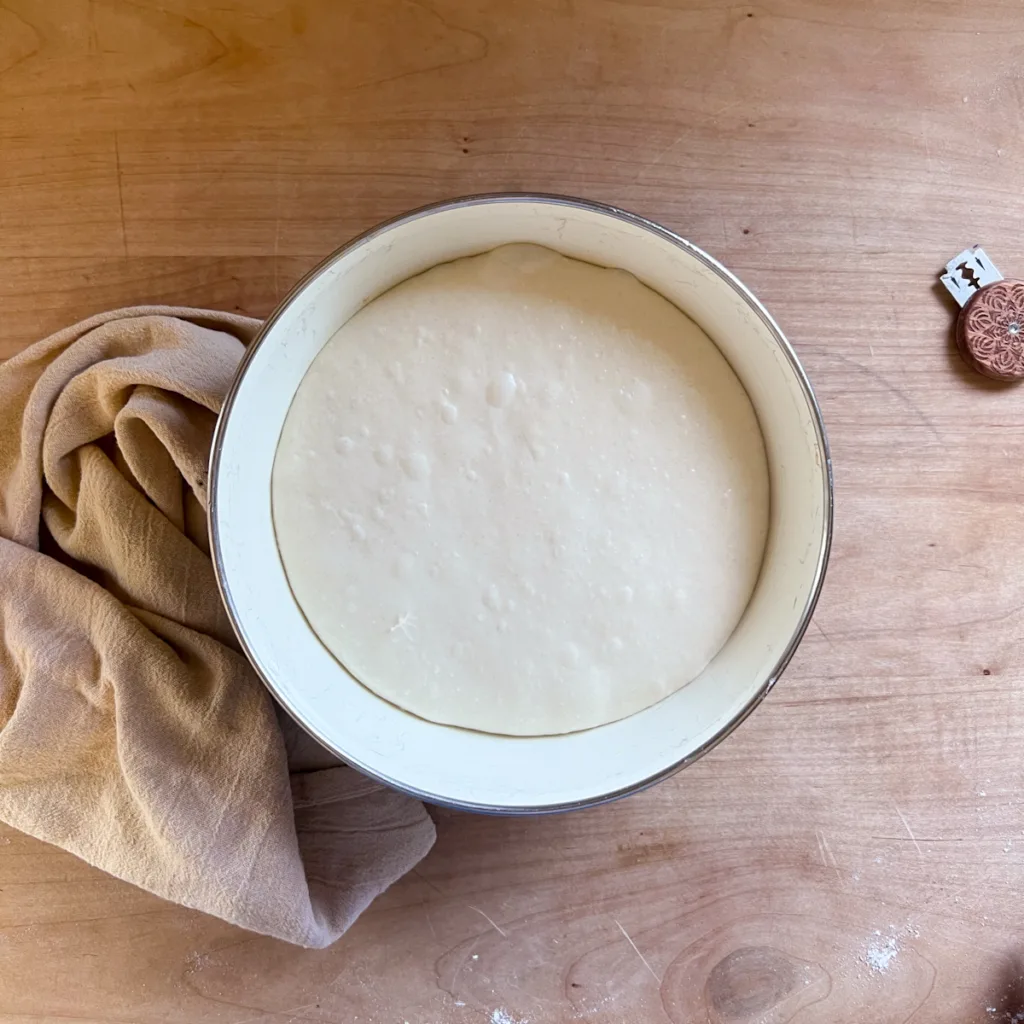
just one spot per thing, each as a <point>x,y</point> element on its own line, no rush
<point>855,852</point>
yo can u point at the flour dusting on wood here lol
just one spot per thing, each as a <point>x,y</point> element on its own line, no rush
<point>880,954</point>
<point>502,1016</point>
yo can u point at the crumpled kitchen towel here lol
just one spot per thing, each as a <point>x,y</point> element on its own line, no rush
<point>132,731</point>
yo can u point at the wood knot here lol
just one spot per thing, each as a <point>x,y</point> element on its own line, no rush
<point>749,982</point>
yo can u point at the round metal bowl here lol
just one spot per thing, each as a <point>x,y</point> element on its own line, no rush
<point>458,767</point>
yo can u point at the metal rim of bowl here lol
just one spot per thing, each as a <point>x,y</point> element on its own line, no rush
<point>712,264</point>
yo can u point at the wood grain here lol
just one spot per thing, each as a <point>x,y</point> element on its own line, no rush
<point>856,851</point>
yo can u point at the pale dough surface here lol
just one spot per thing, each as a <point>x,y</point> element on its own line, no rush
<point>521,494</point>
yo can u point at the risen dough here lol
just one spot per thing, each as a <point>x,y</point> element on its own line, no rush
<point>522,494</point>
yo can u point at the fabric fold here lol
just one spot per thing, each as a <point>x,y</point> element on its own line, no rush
<point>133,732</point>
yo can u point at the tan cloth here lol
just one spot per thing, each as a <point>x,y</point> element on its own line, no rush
<point>132,732</point>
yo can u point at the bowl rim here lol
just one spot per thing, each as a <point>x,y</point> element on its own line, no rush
<point>553,199</point>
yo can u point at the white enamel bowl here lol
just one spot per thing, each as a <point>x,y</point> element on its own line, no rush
<point>472,770</point>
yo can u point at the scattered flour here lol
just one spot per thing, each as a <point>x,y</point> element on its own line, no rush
<point>883,949</point>
<point>585,1012</point>
<point>881,952</point>
<point>196,962</point>
<point>502,1016</point>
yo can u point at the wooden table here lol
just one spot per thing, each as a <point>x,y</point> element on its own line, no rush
<point>855,853</point>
